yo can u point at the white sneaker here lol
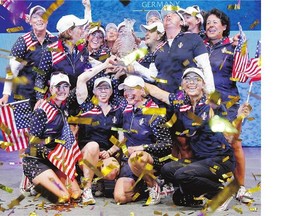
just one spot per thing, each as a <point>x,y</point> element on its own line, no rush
<point>224,206</point>
<point>154,194</point>
<point>167,190</point>
<point>243,195</point>
<point>87,197</point>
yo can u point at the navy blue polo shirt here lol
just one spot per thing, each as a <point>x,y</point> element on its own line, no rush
<point>28,48</point>
<point>203,141</point>
<point>172,61</point>
<point>100,129</point>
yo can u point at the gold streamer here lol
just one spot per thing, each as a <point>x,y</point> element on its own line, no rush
<point>79,120</point>
<point>16,201</point>
<point>6,188</point>
<point>15,29</point>
<point>159,80</point>
<point>153,111</point>
<point>223,195</point>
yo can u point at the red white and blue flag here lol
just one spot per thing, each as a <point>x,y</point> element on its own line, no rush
<point>16,117</point>
<point>253,69</point>
<point>240,58</point>
<point>65,155</point>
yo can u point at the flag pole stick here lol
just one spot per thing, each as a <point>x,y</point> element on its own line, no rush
<point>248,97</point>
<point>249,92</point>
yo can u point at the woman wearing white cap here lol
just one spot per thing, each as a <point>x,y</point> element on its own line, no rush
<point>94,138</point>
<point>50,133</point>
<point>145,138</point>
<point>210,148</point>
<point>96,44</point>
<point>194,19</point>
<point>68,54</point>
<point>145,67</point>
<point>27,53</point>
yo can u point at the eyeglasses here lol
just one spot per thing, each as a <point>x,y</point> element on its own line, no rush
<point>64,86</point>
<point>195,79</point>
<point>103,88</point>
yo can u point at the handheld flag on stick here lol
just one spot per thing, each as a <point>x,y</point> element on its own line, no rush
<point>253,69</point>
<point>15,120</point>
<point>240,58</point>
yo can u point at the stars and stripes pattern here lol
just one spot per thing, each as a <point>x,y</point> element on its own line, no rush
<point>16,116</point>
<point>65,156</point>
<point>240,58</point>
<point>253,69</point>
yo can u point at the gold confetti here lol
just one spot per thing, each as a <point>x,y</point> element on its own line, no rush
<point>186,62</point>
<point>16,201</point>
<point>197,120</point>
<point>157,212</point>
<point>159,80</point>
<point>19,97</point>
<point>104,57</point>
<point>225,159</point>
<point>62,142</point>
<point>172,121</point>
<point>153,111</point>
<point>6,188</point>
<point>170,156</point>
<point>134,56</point>
<point>238,210</point>
<point>51,49</point>
<point>223,195</point>
<point>41,90</point>
<point>214,97</point>
<point>95,100</point>
<point>79,120</point>
<point>121,145</point>
<point>233,7</point>
<point>234,100</point>
<point>253,209</point>
<point>171,7</point>
<point>182,133</point>
<point>254,24</point>
<point>135,196</point>
<point>37,70</point>
<point>15,29</point>
<point>52,8</point>
<point>5,129</point>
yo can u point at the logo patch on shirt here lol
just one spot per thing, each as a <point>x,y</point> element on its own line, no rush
<point>114,120</point>
<point>81,58</point>
<point>204,116</point>
<point>141,121</point>
<point>180,45</point>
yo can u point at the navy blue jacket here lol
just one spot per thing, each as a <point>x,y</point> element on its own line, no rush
<point>203,141</point>
<point>28,48</point>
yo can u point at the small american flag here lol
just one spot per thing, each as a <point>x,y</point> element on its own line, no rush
<point>16,117</point>
<point>65,155</point>
<point>240,58</point>
<point>253,69</point>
